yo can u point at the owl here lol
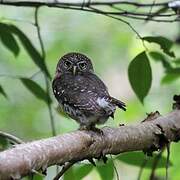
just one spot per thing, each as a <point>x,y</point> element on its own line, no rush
<point>81,94</point>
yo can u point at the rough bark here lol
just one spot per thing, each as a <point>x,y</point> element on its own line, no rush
<point>79,145</point>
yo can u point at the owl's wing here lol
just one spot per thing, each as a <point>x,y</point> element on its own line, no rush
<point>81,92</point>
<point>103,94</point>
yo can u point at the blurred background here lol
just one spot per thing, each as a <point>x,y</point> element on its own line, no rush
<point>111,45</point>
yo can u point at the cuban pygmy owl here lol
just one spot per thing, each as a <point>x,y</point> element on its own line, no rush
<point>81,94</point>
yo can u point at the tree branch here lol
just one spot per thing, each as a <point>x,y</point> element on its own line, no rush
<point>161,12</point>
<point>78,145</point>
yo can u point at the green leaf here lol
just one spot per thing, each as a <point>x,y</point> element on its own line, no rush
<point>8,39</point>
<point>69,174</point>
<point>31,50</point>
<point>164,43</point>
<point>106,171</point>
<point>140,75</point>
<point>35,89</point>
<point>169,78</point>
<point>3,143</point>
<point>137,158</point>
<point>174,70</point>
<point>160,57</point>
<point>81,171</point>
<point>3,92</point>
<point>37,177</point>
<point>177,61</point>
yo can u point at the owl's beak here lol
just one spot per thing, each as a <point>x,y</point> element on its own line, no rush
<point>74,70</point>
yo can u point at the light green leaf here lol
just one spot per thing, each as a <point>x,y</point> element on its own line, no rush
<point>83,170</point>
<point>137,158</point>
<point>140,75</point>
<point>164,43</point>
<point>169,78</point>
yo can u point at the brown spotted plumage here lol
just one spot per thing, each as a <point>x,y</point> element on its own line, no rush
<point>80,93</point>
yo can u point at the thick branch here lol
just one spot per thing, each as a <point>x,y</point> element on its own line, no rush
<point>79,145</point>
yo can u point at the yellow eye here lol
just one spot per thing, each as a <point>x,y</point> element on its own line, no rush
<point>67,64</point>
<point>82,65</point>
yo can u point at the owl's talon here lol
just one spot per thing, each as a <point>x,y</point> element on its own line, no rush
<point>104,158</point>
<point>83,128</point>
<point>92,161</point>
<point>97,130</point>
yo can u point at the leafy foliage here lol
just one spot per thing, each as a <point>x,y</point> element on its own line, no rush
<point>31,50</point>
<point>3,143</point>
<point>81,171</point>
<point>140,75</point>
<point>8,39</point>
<point>6,33</point>
<point>164,43</point>
<point>3,92</point>
<point>35,89</point>
<point>169,78</point>
<point>106,171</point>
<point>172,69</point>
<point>160,57</point>
<point>137,158</point>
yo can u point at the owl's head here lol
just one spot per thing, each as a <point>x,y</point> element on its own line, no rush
<point>74,63</point>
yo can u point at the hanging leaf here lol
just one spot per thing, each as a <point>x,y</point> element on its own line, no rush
<point>169,78</point>
<point>137,158</point>
<point>83,170</point>
<point>106,171</point>
<point>160,57</point>
<point>8,39</point>
<point>140,75</point>
<point>35,89</point>
<point>3,92</point>
<point>31,50</point>
<point>164,43</point>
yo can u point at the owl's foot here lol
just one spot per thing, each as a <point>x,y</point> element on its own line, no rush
<point>97,130</point>
<point>92,161</point>
<point>91,128</point>
<point>103,158</point>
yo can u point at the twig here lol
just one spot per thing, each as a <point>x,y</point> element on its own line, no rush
<point>84,6</point>
<point>11,137</point>
<point>155,163</point>
<point>79,4</point>
<point>143,165</point>
<point>167,162</point>
<point>115,169</point>
<point>63,170</point>
<point>45,77</point>
<point>126,22</point>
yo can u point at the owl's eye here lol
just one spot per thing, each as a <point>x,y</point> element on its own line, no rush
<point>82,65</point>
<point>67,64</point>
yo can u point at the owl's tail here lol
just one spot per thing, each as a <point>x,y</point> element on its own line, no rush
<point>118,103</point>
